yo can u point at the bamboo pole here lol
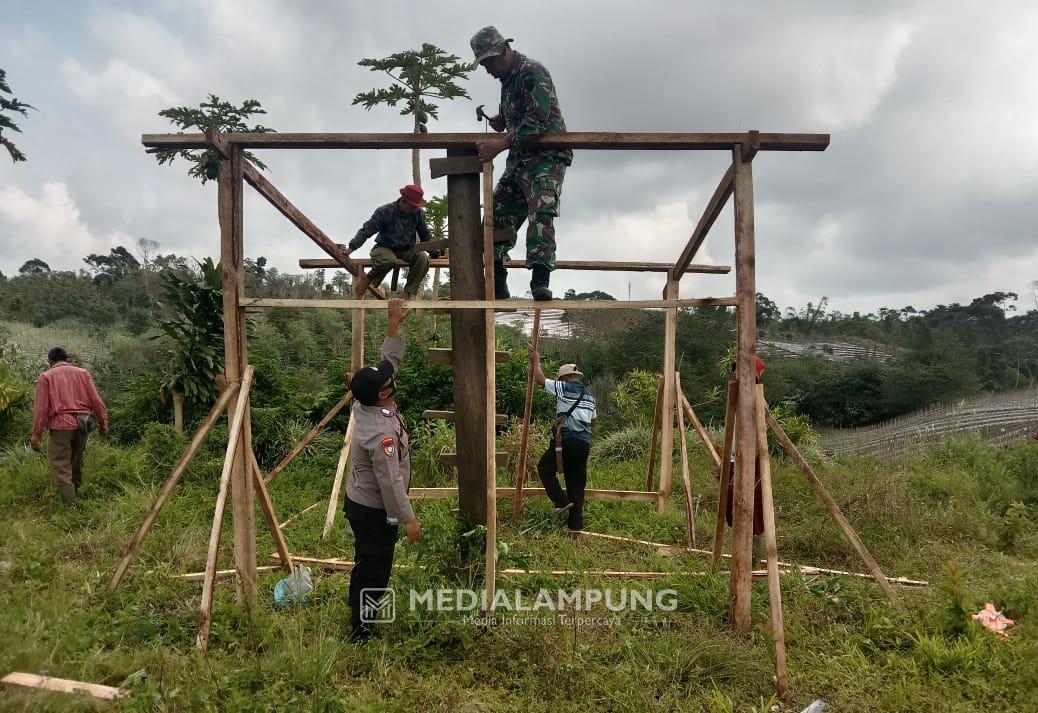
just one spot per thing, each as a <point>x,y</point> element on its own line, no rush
<point>723,467</point>
<point>333,499</point>
<point>778,629</point>
<point>490,404</point>
<point>834,511</point>
<point>267,506</point>
<point>685,480</point>
<point>205,610</point>
<point>670,292</point>
<point>655,435</point>
<point>307,439</point>
<point>524,441</point>
<point>742,492</point>
<point>167,489</point>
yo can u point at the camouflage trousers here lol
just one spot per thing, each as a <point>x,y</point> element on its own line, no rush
<point>528,191</point>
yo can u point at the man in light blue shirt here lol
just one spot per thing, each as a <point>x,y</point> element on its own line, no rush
<point>575,413</point>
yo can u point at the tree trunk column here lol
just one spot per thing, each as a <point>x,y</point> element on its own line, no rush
<point>468,337</point>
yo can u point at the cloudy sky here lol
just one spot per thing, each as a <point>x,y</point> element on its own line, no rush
<point>926,195</point>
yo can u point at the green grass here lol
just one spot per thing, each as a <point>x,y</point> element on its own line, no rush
<point>845,643</point>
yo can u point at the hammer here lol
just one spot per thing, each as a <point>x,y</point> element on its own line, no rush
<point>480,116</point>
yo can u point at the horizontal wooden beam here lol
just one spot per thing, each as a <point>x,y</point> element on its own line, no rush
<point>508,492</point>
<point>453,165</point>
<point>445,305</point>
<point>713,209</point>
<point>445,357</point>
<point>599,265</point>
<point>595,140</point>
<point>430,415</point>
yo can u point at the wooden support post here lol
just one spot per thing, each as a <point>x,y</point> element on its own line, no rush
<point>746,445</point>
<point>686,481</point>
<point>834,511</point>
<point>340,470</point>
<point>167,489</point>
<point>655,435</point>
<point>307,439</point>
<point>234,442</point>
<point>490,396</point>
<point>670,292</point>
<point>357,334</point>
<point>524,439</point>
<point>778,630</point>
<point>230,199</point>
<point>723,468</point>
<point>267,506</point>
<point>708,443</point>
<point>469,341</point>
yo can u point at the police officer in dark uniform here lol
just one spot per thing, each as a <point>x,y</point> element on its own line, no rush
<point>377,503</point>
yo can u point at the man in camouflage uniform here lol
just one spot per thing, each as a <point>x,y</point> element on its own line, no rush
<point>532,181</point>
<point>396,224</point>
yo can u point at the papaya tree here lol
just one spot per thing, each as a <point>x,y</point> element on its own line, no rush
<point>213,113</point>
<point>419,79</point>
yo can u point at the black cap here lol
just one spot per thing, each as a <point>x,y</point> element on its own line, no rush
<point>367,382</point>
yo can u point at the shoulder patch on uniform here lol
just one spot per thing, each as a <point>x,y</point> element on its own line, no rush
<point>389,446</point>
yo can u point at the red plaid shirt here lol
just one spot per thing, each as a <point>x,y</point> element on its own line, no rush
<point>61,392</point>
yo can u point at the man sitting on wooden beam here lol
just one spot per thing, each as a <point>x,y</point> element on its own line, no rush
<point>396,223</point>
<point>377,503</point>
<point>570,444</point>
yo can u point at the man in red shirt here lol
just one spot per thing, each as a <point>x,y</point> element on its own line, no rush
<point>64,393</point>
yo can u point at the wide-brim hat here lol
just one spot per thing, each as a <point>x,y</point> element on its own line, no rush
<point>487,43</point>
<point>567,369</point>
<point>414,195</point>
<point>368,382</point>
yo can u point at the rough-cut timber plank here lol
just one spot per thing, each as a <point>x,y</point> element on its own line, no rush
<point>171,482</point>
<point>596,140</point>
<point>711,447</point>
<point>445,357</point>
<point>450,460</point>
<point>722,470</point>
<point>713,209</point>
<point>524,438</point>
<point>440,167</point>
<point>500,419</point>
<point>62,685</point>
<point>670,331</point>
<point>224,573</point>
<point>600,265</point>
<point>509,491</point>
<point>686,481</point>
<point>308,438</point>
<point>654,442</point>
<point>481,304</point>
<point>340,470</point>
<point>269,514</point>
<point>490,393</point>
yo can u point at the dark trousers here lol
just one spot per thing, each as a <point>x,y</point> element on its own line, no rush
<point>374,543</point>
<point>575,453</point>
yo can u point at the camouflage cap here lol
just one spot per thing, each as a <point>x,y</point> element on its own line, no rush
<point>487,43</point>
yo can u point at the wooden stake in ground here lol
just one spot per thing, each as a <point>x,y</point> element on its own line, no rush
<point>723,468</point>
<point>656,419</point>
<point>778,630</point>
<point>333,499</point>
<point>490,397</point>
<point>167,489</point>
<point>834,511</point>
<point>205,610</point>
<point>524,440</point>
<point>308,438</point>
<point>685,480</point>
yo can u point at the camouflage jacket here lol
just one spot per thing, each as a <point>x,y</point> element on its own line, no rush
<point>396,229</point>
<point>530,108</point>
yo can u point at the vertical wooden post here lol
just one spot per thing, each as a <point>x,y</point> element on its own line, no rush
<point>524,440</point>
<point>778,630</point>
<point>686,481</point>
<point>340,470</point>
<point>746,443</point>
<point>468,341</point>
<point>722,469</point>
<point>655,436</point>
<point>357,331</point>
<point>230,202</point>
<point>670,292</point>
<point>490,397</point>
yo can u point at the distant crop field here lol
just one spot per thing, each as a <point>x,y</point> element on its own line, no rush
<point>86,347</point>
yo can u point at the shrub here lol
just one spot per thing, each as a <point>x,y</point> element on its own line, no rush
<point>631,443</point>
<point>634,398</point>
<point>162,445</point>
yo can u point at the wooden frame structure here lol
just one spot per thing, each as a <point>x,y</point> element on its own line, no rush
<point>473,355</point>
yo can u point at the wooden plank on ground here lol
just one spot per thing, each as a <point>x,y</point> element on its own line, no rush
<point>62,685</point>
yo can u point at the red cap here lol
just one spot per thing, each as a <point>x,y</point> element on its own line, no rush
<point>414,195</point>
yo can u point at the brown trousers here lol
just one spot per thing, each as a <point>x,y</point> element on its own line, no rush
<point>65,453</point>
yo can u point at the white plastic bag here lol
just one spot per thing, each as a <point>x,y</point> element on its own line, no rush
<point>294,588</point>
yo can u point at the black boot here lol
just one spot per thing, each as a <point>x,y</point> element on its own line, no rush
<point>539,283</point>
<point>501,282</point>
